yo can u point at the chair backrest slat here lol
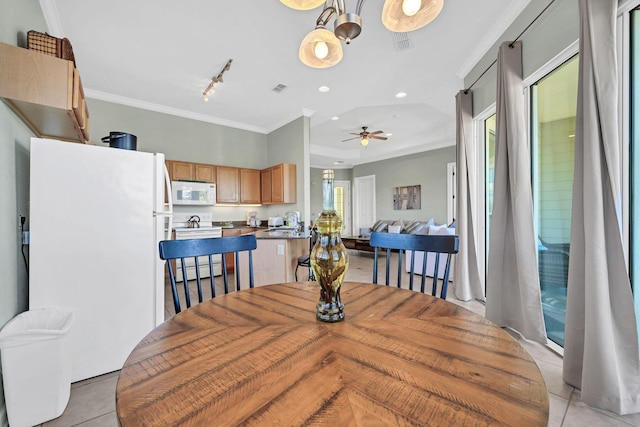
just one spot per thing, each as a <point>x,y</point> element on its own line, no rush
<point>193,248</point>
<point>446,245</point>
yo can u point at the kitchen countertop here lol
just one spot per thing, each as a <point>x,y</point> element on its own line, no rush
<point>281,233</point>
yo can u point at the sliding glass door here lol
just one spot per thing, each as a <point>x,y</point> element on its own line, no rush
<point>553,123</point>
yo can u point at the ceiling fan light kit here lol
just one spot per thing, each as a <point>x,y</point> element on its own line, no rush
<point>397,16</point>
<point>365,136</point>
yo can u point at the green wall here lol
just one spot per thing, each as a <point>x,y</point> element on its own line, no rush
<point>555,30</point>
<point>196,141</point>
<point>315,189</point>
<point>16,18</point>
<point>427,169</point>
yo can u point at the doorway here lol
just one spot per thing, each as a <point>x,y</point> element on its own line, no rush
<point>364,202</point>
<point>342,203</point>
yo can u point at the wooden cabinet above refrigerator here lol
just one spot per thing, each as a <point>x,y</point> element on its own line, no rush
<point>45,92</point>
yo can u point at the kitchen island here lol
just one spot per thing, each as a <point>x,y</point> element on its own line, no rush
<point>276,257</point>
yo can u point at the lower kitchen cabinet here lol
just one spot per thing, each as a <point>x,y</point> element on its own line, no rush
<point>226,232</point>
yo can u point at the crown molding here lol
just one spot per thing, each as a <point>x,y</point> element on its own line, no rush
<point>117,99</point>
<point>512,11</point>
<point>52,18</point>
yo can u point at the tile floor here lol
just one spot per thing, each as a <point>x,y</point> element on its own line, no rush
<point>92,402</point>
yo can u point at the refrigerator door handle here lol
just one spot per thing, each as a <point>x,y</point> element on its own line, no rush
<point>169,212</point>
<point>167,182</point>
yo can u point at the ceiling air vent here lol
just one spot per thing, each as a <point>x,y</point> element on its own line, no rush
<point>279,88</point>
<point>401,41</point>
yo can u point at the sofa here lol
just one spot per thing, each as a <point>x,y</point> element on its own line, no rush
<point>415,227</point>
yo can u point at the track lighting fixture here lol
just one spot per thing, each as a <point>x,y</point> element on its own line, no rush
<point>217,79</point>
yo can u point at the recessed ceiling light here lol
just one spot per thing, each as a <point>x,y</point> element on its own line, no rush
<point>338,162</point>
<point>335,118</point>
<point>401,95</point>
<point>389,134</point>
<point>324,89</point>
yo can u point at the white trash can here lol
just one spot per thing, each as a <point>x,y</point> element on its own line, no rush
<point>36,369</point>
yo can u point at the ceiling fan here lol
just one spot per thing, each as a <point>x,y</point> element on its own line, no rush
<point>365,136</point>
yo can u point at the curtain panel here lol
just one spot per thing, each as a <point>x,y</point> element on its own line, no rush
<point>601,341</point>
<point>513,287</point>
<point>467,273</point>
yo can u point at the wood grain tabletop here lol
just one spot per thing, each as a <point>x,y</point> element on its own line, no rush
<point>259,357</point>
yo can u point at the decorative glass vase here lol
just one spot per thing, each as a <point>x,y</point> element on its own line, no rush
<point>329,259</point>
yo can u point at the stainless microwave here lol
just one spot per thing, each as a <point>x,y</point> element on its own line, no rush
<point>193,193</point>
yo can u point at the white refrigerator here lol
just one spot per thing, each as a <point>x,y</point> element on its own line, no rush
<point>96,217</point>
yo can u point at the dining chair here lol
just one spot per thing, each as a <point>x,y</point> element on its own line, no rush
<point>181,250</point>
<point>445,245</point>
<point>305,260</point>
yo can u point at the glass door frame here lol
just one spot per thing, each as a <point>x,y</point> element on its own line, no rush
<point>481,229</point>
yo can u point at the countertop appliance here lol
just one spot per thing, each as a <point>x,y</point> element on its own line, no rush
<point>184,228</point>
<point>193,193</point>
<point>275,221</point>
<point>97,216</point>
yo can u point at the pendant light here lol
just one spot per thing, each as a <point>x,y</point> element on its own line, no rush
<point>402,16</point>
<point>302,4</point>
<point>321,48</point>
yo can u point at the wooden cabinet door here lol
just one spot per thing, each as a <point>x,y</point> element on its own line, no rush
<point>277,184</point>
<point>181,171</point>
<point>289,182</point>
<point>250,186</point>
<point>265,184</point>
<point>227,184</point>
<point>230,257</point>
<point>205,173</point>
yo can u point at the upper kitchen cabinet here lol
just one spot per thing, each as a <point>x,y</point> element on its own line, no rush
<point>227,184</point>
<point>250,186</point>
<point>281,185</point>
<point>187,171</point>
<point>45,92</point>
<point>206,173</point>
<point>265,179</point>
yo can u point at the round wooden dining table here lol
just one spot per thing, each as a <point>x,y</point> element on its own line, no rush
<point>259,357</point>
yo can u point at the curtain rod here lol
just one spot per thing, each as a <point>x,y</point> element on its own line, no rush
<point>510,45</point>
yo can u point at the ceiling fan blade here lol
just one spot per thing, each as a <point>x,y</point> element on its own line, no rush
<point>350,139</point>
<point>376,132</point>
<point>359,134</point>
<point>384,138</point>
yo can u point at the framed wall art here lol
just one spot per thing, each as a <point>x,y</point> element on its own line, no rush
<point>406,197</point>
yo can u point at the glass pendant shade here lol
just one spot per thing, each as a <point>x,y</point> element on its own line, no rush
<point>320,49</point>
<point>302,4</point>
<point>364,142</point>
<point>395,19</point>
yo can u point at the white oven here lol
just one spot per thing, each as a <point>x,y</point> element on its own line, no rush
<point>193,193</point>
<point>205,231</point>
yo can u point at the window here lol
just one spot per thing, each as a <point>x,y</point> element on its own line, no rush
<point>553,122</point>
<point>634,160</point>
<point>489,167</point>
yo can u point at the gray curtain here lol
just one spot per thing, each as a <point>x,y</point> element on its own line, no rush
<point>601,340</point>
<point>467,284</point>
<point>513,289</point>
